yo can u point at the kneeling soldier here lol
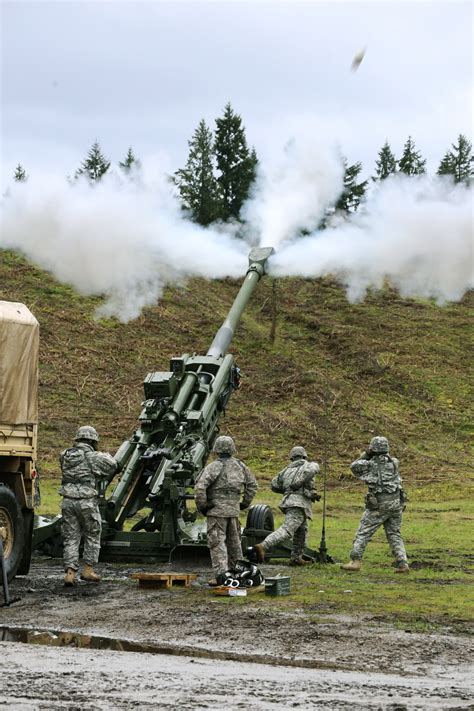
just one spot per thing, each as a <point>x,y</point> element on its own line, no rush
<point>82,470</point>
<point>217,494</point>
<point>383,504</point>
<point>295,481</point>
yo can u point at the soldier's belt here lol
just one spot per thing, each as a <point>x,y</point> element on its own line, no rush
<point>229,492</point>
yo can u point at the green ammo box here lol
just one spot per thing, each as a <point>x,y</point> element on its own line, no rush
<point>277,586</point>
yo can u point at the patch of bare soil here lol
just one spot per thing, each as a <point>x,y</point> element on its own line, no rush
<point>218,647</point>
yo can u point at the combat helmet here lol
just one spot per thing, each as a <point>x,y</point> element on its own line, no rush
<point>298,453</point>
<point>87,432</point>
<point>379,445</point>
<point>224,445</point>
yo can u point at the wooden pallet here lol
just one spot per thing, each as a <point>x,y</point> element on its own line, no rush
<point>163,580</point>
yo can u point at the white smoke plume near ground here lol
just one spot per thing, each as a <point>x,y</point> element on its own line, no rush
<point>417,232</point>
<point>124,239</point>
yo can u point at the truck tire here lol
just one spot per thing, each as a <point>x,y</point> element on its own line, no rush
<point>12,520</point>
<point>25,562</point>
<point>260,516</point>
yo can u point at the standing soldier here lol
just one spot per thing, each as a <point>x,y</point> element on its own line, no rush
<point>295,481</point>
<point>83,468</point>
<point>217,494</point>
<point>384,503</point>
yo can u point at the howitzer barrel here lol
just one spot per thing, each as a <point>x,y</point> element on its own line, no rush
<point>257,262</point>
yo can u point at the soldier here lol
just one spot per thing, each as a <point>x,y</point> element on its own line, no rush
<point>217,494</point>
<point>83,468</point>
<point>295,481</point>
<point>384,503</point>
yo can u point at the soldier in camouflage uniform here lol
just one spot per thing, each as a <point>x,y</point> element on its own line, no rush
<point>295,481</point>
<point>83,469</point>
<point>217,493</point>
<point>383,504</point>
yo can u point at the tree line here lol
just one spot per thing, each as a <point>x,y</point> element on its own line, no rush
<point>221,168</point>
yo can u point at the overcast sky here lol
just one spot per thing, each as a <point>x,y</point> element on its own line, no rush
<point>145,73</point>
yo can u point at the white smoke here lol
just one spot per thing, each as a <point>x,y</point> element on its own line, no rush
<point>292,191</point>
<point>416,232</point>
<point>125,239</point>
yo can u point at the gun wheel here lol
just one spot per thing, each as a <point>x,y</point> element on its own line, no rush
<point>260,516</point>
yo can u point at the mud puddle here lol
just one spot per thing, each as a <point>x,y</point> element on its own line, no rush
<point>57,638</point>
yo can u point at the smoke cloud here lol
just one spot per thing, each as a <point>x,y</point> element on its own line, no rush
<point>292,192</point>
<point>125,239</point>
<point>414,231</point>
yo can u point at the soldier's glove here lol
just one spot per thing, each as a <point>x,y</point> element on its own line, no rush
<point>368,454</point>
<point>243,506</point>
<point>203,510</point>
<point>315,496</point>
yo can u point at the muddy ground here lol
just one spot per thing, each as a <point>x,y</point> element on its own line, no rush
<point>216,653</point>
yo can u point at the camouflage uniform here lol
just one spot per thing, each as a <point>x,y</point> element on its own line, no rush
<point>217,494</point>
<point>384,505</point>
<point>82,470</point>
<point>296,483</point>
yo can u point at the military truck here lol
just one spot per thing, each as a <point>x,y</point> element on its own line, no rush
<point>19,345</point>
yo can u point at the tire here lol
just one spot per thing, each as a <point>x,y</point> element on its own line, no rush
<point>260,517</point>
<point>28,521</point>
<point>11,518</point>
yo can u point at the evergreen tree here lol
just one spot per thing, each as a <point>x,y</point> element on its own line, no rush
<point>129,161</point>
<point>411,162</point>
<point>20,174</point>
<point>386,164</point>
<point>353,191</point>
<point>459,162</point>
<point>235,163</point>
<point>196,182</point>
<point>95,165</point>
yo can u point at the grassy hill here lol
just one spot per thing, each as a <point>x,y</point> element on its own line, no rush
<point>336,374</point>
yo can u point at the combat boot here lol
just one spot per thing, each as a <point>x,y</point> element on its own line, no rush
<point>256,552</point>
<point>301,561</point>
<point>89,575</point>
<point>352,565</point>
<point>70,578</point>
<point>402,568</point>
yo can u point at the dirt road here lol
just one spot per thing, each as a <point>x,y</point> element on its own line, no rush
<point>231,652</point>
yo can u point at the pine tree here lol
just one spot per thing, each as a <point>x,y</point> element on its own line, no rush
<point>235,163</point>
<point>353,191</point>
<point>459,162</point>
<point>95,165</point>
<point>196,182</point>
<point>386,164</point>
<point>411,162</point>
<point>20,174</point>
<point>129,161</point>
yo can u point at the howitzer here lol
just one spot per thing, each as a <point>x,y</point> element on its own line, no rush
<point>178,424</point>
<point>160,462</point>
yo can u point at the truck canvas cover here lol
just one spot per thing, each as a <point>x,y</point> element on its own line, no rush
<point>19,344</point>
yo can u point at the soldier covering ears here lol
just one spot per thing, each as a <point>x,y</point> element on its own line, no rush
<point>384,503</point>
